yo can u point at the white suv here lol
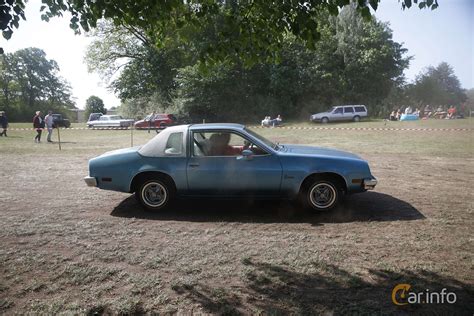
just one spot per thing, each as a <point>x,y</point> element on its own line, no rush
<point>341,113</point>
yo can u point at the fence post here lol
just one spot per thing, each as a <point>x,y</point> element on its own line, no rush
<point>59,139</point>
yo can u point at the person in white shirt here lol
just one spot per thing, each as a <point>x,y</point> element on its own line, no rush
<point>48,120</point>
<point>266,121</point>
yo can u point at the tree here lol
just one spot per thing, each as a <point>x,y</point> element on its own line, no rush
<point>437,86</point>
<point>355,61</point>
<point>244,30</point>
<point>94,105</point>
<point>468,107</point>
<point>29,81</point>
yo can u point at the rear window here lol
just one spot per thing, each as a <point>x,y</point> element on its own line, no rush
<point>348,110</point>
<point>172,117</point>
<point>360,109</point>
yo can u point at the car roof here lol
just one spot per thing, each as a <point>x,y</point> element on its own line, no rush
<point>217,126</point>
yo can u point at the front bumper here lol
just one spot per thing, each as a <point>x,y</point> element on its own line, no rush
<point>90,181</point>
<point>369,184</point>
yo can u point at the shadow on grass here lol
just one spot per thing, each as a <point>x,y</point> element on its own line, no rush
<point>328,289</point>
<point>370,206</point>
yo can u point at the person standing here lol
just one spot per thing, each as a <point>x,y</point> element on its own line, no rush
<point>38,124</point>
<point>3,123</point>
<point>151,120</point>
<point>48,119</point>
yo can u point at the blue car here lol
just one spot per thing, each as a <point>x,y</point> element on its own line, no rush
<point>229,160</point>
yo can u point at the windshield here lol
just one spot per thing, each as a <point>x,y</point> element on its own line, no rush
<point>262,139</point>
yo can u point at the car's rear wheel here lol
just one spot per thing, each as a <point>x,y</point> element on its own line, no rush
<point>154,194</point>
<point>324,120</point>
<point>321,194</point>
<point>356,118</point>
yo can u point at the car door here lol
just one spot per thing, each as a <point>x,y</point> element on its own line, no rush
<point>228,172</point>
<point>348,113</point>
<point>337,114</point>
<point>103,121</point>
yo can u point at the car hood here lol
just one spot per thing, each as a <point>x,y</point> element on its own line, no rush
<point>318,151</point>
<point>321,113</point>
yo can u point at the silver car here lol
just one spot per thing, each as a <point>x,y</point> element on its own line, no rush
<point>110,121</point>
<point>341,113</point>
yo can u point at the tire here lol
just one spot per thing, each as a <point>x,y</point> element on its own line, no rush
<point>324,120</point>
<point>321,195</point>
<point>154,194</point>
<point>356,118</point>
<point>67,124</point>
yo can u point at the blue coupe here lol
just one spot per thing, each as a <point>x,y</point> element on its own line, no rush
<point>229,160</point>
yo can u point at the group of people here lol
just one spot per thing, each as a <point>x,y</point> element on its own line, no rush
<point>426,112</point>
<point>3,124</point>
<point>396,115</point>
<point>39,123</point>
<point>269,122</point>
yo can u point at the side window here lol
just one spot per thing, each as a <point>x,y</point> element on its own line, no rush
<point>218,144</point>
<point>338,111</point>
<point>359,109</point>
<point>349,109</point>
<point>174,145</point>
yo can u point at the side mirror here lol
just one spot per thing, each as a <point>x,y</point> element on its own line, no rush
<point>247,154</point>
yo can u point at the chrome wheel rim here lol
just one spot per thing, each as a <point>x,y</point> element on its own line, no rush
<point>154,194</point>
<point>322,195</point>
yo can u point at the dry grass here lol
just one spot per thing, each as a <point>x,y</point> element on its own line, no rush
<point>67,248</point>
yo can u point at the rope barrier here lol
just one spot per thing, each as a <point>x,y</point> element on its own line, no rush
<point>429,129</point>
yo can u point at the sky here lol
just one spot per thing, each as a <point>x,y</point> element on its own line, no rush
<point>445,34</point>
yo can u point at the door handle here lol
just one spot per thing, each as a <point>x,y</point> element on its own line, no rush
<point>193,165</point>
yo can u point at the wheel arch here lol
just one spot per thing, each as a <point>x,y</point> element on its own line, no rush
<point>339,179</point>
<point>144,175</point>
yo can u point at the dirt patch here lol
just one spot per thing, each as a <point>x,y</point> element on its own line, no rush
<point>66,247</point>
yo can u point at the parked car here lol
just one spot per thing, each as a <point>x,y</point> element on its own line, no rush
<point>160,121</point>
<point>229,160</point>
<point>110,121</point>
<point>60,121</point>
<point>341,113</point>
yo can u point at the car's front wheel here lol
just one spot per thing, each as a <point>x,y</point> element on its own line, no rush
<point>154,194</point>
<point>321,195</point>
<point>324,120</point>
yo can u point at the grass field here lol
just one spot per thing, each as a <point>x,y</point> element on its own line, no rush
<point>67,248</point>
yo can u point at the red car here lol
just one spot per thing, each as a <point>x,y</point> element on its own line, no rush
<point>159,121</point>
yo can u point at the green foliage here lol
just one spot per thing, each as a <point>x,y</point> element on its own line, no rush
<point>468,107</point>
<point>249,31</point>
<point>139,107</point>
<point>437,86</point>
<point>30,82</point>
<point>354,62</point>
<point>94,105</point>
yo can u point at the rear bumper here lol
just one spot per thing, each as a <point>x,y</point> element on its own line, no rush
<point>90,181</point>
<point>369,184</point>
